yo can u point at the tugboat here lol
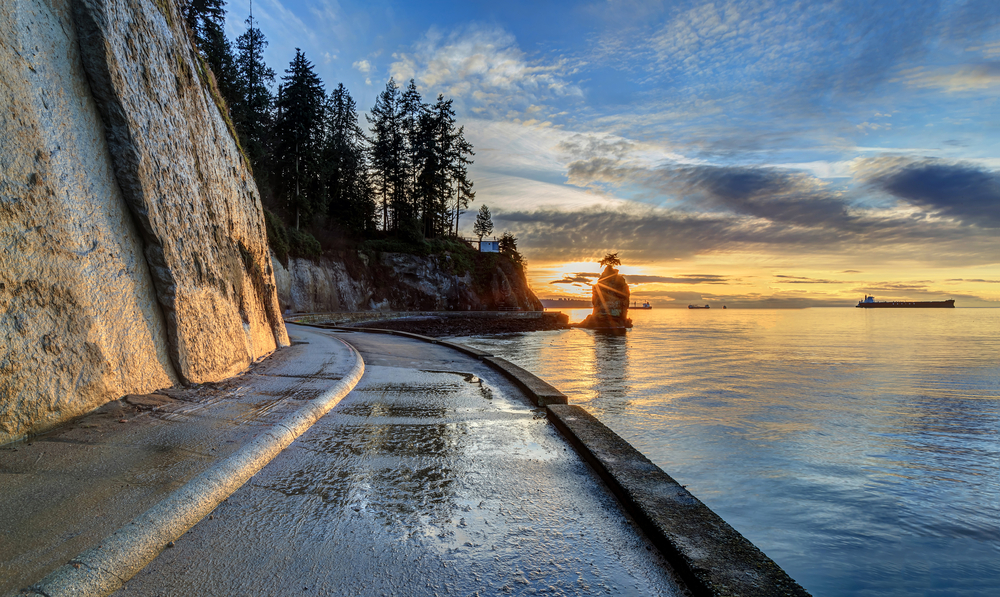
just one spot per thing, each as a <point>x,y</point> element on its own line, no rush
<point>870,303</point>
<point>644,305</point>
<point>698,307</point>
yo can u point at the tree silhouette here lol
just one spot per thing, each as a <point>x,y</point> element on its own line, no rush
<point>345,164</point>
<point>251,106</point>
<point>611,259</point>
<point>484,223</point>
<point>297,137</point>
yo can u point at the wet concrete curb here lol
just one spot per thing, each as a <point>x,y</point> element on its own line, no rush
<point>539,390</point>
<point>712,557</point>
<point>542,391</point>
<point>104,569</point>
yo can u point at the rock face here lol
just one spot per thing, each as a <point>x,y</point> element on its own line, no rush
<point>610,300</point>
<point>398,282</point>
<point>189,190</point>
<point>134,255</point>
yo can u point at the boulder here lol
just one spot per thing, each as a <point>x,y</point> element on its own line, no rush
<point>610,300</point>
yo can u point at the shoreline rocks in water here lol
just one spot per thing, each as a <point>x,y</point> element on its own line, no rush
<point>610,300</point>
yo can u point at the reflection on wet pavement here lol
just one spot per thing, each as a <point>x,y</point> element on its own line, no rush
<point>434,476</point>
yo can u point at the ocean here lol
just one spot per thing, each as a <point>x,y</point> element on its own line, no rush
<point>859,449</point>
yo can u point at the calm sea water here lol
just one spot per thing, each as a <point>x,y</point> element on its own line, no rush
<point>859,449</point>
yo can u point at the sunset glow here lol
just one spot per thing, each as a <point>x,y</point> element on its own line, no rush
<point>762,155</point>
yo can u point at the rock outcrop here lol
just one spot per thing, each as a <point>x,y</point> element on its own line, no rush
<point>134,254</point>
<point>610,300</point>
<point>399,282</point>
<point>188,187</point>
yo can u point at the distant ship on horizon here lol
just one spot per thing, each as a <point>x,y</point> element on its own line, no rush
<point>870,303</point>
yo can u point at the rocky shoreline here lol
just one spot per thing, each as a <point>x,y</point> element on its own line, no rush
<point>440,327</point>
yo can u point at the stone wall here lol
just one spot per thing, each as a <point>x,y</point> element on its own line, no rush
<point>133,248</point>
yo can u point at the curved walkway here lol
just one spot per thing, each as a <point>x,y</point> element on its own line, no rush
<point>111,489</point>
<point>434,476</point>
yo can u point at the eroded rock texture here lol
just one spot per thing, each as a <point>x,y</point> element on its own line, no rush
<point>79,321</point>
<point>610,299</point>
<point>189,190</point>
<point>132,244</point>
<point>399,282</point>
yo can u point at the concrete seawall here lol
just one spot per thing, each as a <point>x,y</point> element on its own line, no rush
<point>338,318</point>
<point>711,556</point>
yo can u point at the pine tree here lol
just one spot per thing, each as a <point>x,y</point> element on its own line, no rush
<point>484,223</point>
<point>199,13</point>
<point>459,174</point>
<point>508,247</point>
<point>436,153</point>
<point>388,147</point>
<point>412,110</point>
<point>251,108</point>
<point>349,196</point>
<point>297,140</point>
<point>206,19</point>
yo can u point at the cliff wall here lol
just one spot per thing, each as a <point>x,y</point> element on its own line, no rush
<point>133,249</point>
<point>392,281</point>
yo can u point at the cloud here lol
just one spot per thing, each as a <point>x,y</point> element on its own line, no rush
<point>363,66</point>
<point>967,78</point>
<point>578,279</point>
<point>980,280</point>
<point>961,191</point>
<point>803,280</point>
<point>769,193</point>
<point>486,73</point>
<point>688,279</point>
<point>643,235</point>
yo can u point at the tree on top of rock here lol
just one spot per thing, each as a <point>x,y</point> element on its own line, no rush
<point>484,223</point>
<point>611,259</point>
<point>508,247</point>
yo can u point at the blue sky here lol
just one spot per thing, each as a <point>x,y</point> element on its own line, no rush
<point>754,153</point>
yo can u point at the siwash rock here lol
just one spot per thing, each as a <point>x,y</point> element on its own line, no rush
<point>610,300</point>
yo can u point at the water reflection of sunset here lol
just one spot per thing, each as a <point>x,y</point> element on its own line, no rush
<point>831,438</point>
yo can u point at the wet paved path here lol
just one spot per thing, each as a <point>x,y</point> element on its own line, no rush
<point>433,477</point>
<point>65,491</point>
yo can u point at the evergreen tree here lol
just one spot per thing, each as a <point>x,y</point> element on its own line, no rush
<point>484,223</point>
<point>459,174</point>
<point>251,106</point>
<point>412,111</point>
<point>297,140</point>
<point>436,153</point>
<point>199,14</point>
<point>508,247</point>
<point>206,19</point>
<point>349,197</point>
<point>388,146</point>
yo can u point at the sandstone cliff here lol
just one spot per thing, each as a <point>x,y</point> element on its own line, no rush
<point>393,281</point>
<point>133,247</point>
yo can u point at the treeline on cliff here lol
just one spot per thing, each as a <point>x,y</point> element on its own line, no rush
<point>325,178</point>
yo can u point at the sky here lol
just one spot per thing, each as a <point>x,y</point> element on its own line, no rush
<point>753,154</point>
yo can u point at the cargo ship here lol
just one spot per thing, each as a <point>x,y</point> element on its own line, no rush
<point>870,303</point>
